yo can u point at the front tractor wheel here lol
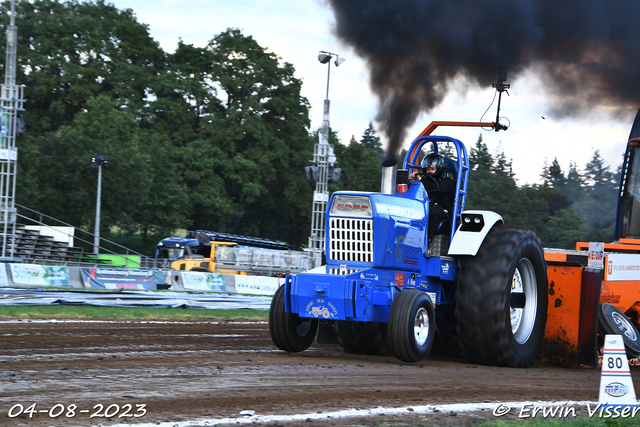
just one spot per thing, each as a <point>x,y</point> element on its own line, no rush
<point>289,332</point>
<point>412,325</point>
<point>501,299</point>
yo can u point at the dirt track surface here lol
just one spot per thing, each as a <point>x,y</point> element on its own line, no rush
<point>193,370</point>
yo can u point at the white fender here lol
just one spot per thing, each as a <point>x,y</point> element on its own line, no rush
<point>474,227</point>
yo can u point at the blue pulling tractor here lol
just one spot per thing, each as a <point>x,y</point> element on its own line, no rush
<point>385,287</point>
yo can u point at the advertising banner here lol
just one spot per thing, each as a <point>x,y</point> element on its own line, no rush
<point>623,267</point>
<point>4,280</point>
<point>40,275</point>
<point>193,280</point>
<point>256,285</point>
<point>110,278</point>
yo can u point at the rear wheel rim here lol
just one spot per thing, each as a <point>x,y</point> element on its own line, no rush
<point>421,326</point>
<point>623,326</point>
<point>523,319</point>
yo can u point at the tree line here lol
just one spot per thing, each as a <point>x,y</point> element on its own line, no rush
<point>212,137</point>
<point>565,208</point>
<point>578,205</point>
<point>217,138</point>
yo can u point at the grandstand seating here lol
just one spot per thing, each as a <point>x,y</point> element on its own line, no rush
<point>30,244</point>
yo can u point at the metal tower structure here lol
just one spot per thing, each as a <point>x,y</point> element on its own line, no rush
<point>12,100</point>
<point>320,196</point>
<point>323,157</point>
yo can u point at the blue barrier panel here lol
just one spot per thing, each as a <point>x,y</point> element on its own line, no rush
<point>109,278</point>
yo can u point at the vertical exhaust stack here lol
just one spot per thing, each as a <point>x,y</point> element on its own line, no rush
<point>389,167</point>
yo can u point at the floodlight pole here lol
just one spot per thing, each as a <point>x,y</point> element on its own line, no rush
<point>322,157</point>
<point>328,75</point>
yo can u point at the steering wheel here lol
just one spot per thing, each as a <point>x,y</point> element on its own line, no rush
<point>431,191</point>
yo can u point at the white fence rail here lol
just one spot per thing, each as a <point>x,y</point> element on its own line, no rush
<point>268,260</point>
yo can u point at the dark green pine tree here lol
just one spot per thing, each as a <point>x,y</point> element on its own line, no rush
<point>556,175</point>
<point>597,176</point>
<point>360,163</point>
<point>447,150</point>
<point>597,205</point>
<point>502,166</point>
<point>573,188</point>
<point>552,175</point>
<point>370,140</point>
<point>479,156</point>
<point>564,229</point>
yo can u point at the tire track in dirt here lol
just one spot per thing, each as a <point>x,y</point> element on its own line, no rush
<point>210,369</point>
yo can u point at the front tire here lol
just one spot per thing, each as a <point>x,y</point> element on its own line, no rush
<point>501,299</point>
<point>289,332</point>
<point>412,325</point>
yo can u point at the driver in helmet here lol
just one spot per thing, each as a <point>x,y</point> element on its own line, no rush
<point>440,188</point>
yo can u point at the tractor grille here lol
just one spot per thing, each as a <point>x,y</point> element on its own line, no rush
<point>339,272</point>
<point>351,240</point>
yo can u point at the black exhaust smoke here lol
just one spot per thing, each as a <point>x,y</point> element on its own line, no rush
<point>585,51</point>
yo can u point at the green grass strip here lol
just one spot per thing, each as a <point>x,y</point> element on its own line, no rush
<point>99,312</point>
<point>595,421</point>
<point>579,421</point>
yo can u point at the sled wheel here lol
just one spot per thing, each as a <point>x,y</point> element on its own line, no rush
<point>412,326</point>
<point>612,321</point>
<point>363,337</point>
<point>289,332</point>
<point>501,299</point>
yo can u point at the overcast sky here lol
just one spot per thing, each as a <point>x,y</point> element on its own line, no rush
<point>297,29</point>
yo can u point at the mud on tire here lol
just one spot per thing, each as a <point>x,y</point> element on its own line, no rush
<point>501,299</point>
<point>289,332</point>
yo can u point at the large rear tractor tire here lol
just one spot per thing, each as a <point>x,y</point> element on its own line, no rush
<point>289,332</point>
<point>412,326</point>
<point>501,299</point>
<point>363,337</point>
<point>612,321</point>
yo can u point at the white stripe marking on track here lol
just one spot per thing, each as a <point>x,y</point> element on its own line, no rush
<point>425,409</point>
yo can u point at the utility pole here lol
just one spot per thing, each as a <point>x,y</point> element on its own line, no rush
<point>11,100</point>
